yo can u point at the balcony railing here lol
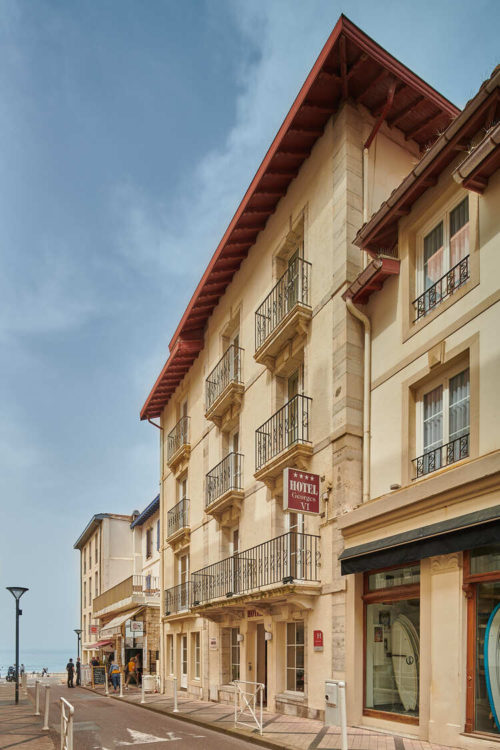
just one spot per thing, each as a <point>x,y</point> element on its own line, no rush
<point>131,586</point>
<point>178,598</point>
<point>226,476</point>
<point>291,289</point>
<point>442,456</point>
<point>227,370</point>
<point>178,517</point>
<point>289,426</point>
<point>446,285</point>
<point>178,437</point>
<point>282,560</point>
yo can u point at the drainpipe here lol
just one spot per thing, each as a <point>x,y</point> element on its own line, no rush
<point>366,395</point>
<point>162,585</point>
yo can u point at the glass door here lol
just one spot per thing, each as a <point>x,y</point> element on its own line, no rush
<point>184,662</point>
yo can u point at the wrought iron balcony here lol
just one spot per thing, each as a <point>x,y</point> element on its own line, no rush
<point>284,559</point>
<point>178,598</point>
<point>442,456</point>
<point>446,285</point>
<point>178,442</point>
<point>284,315</point>
<point>288,427</point>
<point>224,477</point>
<point>178,519</point>
<point>224,382</point>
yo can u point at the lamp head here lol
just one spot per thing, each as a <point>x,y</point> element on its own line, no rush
<point>78,631</point>
<point>16,591</point>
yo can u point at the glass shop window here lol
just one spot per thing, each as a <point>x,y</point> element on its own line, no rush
<point>392,619</point>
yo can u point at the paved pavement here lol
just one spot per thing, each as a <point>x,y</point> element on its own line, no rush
<point>104,724</point>
<point>19,728</point>
<point>280,731</point>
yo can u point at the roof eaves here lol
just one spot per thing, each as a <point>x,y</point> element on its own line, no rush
<point>150,510</point>
<point>92,524</point>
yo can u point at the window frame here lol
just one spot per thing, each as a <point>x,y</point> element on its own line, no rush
<point>196,654</point>
<point>296,646</point>
<point>234,648</point>
<point>442,216</point>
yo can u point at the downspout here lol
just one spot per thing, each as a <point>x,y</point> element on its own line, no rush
<point>162,585</point>
<point>366,395</point>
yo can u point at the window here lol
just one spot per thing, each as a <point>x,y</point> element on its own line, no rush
<point>158,535</point>
<point>482,586</point>
<point>445,259</point>
<point>170,654</point>
<point>84,561</point>
<point>84,629</point>
<point>96,585</point>
<point>196,656</point>
<point>235,654</point>
<point>149,542</point>
<point>295,656</point>
<point>96,548</point>
<point>84,593</point>
<point>445,424</point>
<point>392,642</point>
<point>90,591</point>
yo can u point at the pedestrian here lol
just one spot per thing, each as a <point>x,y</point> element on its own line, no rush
<point>138,669</point>
<point>130,672</point>
<point>114,673</point>
<point>94,661</point>
<point>22,669</point>
<point>78,671</point>
<point>70,668</point>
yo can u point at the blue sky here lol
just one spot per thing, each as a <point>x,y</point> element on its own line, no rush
<point>130,131</point>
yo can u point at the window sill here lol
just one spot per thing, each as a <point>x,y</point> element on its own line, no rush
<point>293,696</point>
<point>481,736</point>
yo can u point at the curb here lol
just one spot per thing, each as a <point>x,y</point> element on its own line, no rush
<point>256,739</point>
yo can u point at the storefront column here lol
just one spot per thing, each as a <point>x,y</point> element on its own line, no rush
<point>447,639</point>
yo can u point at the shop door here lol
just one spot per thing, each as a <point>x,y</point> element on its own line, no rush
<point>184,662</point>
<point>261,660</point>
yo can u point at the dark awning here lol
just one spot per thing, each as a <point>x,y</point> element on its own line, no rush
<point>464,532</point>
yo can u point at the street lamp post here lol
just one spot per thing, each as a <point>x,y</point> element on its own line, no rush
<point>78,635</point>
<point>17,592</point>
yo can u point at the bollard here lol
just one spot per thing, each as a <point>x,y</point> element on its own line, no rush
<point>37,697</point>
<point>106,686</point>
<point>24,683</point>
<point>46,712</point>
<point>143,697</point>
<point>121,684</point>
<point>343,718</point>
<point>176,710</point>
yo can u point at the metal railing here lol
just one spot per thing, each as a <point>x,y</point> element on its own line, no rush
<point>67,712</point>
<point>227,475</point>
<point>178,437</point>
<point>442,456</point>
<point>291,556</point>
<point>178,517</point>
<point>248,699</point>
<point>446,285</point>
<point>291,289</point>
<point>178,598</point>
<point>227,370</point>
<point>288,426</point>
<point>135,584</point>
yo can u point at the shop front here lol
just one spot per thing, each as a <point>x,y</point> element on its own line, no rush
<point>426,607</point>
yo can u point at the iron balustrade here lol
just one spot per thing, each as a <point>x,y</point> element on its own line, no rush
<point>446,285</point>
<point>291,289</point>
<point>284,559</point>
<point>178,598</point>
<point>227,370</point>
<point>177,518</point>
<point>227,475</point>
<point>178,437</point>
<point>447,454</point>
<point>287,427</point>
<point>149,585</point>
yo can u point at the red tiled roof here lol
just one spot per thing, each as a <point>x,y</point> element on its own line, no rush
<point>350,66</point>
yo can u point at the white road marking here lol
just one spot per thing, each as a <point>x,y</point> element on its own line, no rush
<point>141,738</point>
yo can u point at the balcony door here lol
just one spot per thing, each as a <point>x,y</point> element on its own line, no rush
<point>184,662</point>
<point>296,541</point>
<point>234,547</point>
<point>183,577</point>
<point>293,280</point>
<point>234,359</point>
<point>293,408</point>
<point>235,471</point>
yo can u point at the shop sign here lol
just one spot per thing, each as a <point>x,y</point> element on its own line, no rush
<point>318,640</point>
<point>134,629</point>
<point>213,643</point>
<point>93,629</point>
<point>300,491</point>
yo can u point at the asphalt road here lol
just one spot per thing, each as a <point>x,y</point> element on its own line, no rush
<point>103,724</point>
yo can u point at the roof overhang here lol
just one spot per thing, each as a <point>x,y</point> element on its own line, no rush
<point>484,160</point>
<point>350,66</point>
<point>454,535</point>
<point>371,279</point>
<point>89,530</point>
<point>380,233</point>
<point>151,509</point>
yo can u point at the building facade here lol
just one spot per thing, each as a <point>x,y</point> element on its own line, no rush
<point>422,553</point>
<point>265,373</point>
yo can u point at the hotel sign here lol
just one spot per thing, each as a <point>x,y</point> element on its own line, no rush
<point>300,491</point>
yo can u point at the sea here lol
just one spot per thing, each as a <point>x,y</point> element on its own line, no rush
<point>36,659</point>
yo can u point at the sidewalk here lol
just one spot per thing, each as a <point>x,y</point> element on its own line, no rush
<point>18,725</point>
<point>279,731</point>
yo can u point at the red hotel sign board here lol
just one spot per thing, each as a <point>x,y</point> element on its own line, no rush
<point>318,640</point>
<point>300,491</point>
